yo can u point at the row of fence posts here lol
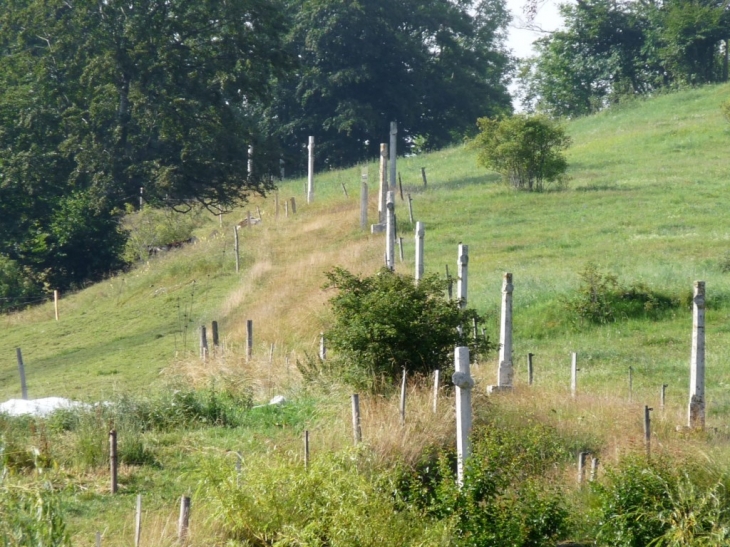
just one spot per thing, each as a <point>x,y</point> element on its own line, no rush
<point>184,520</point>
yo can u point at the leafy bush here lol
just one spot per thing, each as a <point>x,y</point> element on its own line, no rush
<point>601,299</point>
<point>525,149</point>
<point>17,289</point>
<point>31,518</point>
<point>386,322</point>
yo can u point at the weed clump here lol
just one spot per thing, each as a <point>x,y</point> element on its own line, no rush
<point>602,299</point>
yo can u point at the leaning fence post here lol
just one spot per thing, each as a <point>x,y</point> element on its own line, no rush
<point>696,413</point>
<point>356,428</point>
<point>184,520</point>
<point>403,398</point>
<point>464,384</point>
<point>21,371</point>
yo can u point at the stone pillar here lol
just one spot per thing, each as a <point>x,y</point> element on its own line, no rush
<point>420,233</point>
<point>505,373</point>
<point>696,417</point>
<point>390,232</point>
<point>393,135</point>
<point>464,384</point>
<point>310,171</point>
<point>462,272</point>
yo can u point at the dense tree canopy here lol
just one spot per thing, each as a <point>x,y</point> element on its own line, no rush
<point>432,66</point>
<point>99,99</point>
<point>612,50</point>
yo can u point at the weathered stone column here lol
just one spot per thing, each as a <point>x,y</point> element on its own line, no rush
<point>390,232</point>
<point>696,418</point>
<point>462,272</point>
<point>464,383</point>
<point>505,373</point>
<point>393,135</point>
<point>420,233</point>
<point>310,171</point>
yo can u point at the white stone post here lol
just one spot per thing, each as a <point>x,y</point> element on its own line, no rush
<point>464,384</point>
<point>249,165</point>
<point>505,373</point>
<point>462,267</point>
<point>390,233</point>
<point>383,191</point>
<point>696,414</point>
<point>420,233</point>
<point>310,171</point>
<point>393,136</point>
<point>436,378</point>
<point>364,199</point>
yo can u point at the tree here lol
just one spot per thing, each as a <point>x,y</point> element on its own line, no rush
<point>386,322</point>
<point>526,150</point>
<point>100,99</point>
<point>431,66</point>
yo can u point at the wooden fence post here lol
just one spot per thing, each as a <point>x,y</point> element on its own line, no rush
<point>400,248</point>
<point>21,371</point>
<point>410,208</point>
<point>436,378</point>
<point>293,205</point>
<point>631,383</point>
<point>184,520</point>
<point>322,347</point>
<point>573,374</point>
<point>530,369</point>
<point>203,343</point>
<point>582,457</point>
<point>113,460</point>
<point>306,449</point>
<point>310,172</point>
<point>663,396</point>
<point>647,430</point>
<point>98,539</point>
<point>400,186</point>
<point>356,427</point>
<point>236,248</point>
<point>464,384</point>
<point>594,469</point>
<point>55,303</point>
<point>449,284</point>
<point>696,412</point>
<point>423,176</point>
<point>214,332</point>
<point>249,339</point>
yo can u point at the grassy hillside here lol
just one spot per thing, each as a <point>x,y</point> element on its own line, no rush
<point>646,201</point>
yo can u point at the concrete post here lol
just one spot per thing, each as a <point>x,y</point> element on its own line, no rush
<point>696,417</point>
<point>436,378</point>
<point>383,190</point>
<point>462,267</point>
<point>322,347</point>
<point>420,233</point>
<point>573,374</point>
<point>505,373</point>
<point>310,171</point>
<point>390,232</point>
<point>393,136</point>
<point>464,384</point>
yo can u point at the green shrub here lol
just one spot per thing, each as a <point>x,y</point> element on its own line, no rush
<point>601,299</point>
<point>31,517</point>
<point>152,227</point>
<point>387,322</point>
<point>525,149</point>
<point>17,286</point>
